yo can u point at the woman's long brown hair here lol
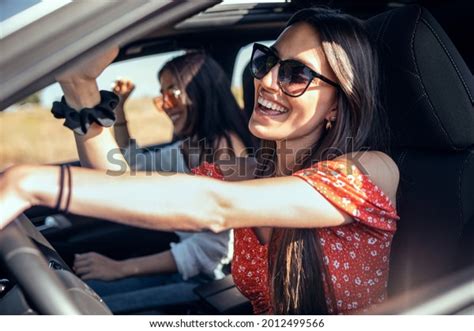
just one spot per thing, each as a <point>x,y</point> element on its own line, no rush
<point>296,263</point>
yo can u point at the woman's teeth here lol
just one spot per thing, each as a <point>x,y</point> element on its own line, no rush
<point>271,106</point>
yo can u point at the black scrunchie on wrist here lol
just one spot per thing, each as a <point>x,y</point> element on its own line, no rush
<point>80,121</point>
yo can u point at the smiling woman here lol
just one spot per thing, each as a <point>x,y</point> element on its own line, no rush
<point>306,225</point>
<point>317,91</point>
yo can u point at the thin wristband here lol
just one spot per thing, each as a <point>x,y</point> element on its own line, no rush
<point>61,188</point>
<point>69,189</point>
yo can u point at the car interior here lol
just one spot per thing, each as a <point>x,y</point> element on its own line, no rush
<point>428,95</point>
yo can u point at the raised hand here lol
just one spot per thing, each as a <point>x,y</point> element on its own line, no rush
<point>123,88</point>
<point>79,84</point>
<point>91,69</point>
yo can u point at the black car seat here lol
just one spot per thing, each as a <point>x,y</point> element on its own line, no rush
<point>429,97</point>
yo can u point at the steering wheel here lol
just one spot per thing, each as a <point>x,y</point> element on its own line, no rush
<point>48,286</point>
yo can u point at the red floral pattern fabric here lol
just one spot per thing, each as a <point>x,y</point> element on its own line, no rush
<point>356,255</point>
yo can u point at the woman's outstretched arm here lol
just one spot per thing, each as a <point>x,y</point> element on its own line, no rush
<point>157,201</point>
<point>184,202</point>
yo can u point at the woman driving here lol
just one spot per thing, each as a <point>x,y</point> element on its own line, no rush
<point>314,225</point>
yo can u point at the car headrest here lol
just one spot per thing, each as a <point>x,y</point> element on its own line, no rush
<point>428,90</point>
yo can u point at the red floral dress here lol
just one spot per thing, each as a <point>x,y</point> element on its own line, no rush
<point>356,254</point>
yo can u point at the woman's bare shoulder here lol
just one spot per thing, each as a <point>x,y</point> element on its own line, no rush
<point>379,167</point>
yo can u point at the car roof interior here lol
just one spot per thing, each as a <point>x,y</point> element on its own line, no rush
<point>241,24</point>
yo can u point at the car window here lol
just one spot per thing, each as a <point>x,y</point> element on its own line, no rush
<point>30,134</point>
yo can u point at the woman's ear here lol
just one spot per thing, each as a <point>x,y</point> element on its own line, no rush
<point>332,114</point>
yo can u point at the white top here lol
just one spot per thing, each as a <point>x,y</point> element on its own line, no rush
<point>196,252</point>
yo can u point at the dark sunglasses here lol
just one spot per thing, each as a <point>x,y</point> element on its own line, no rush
<point>294,77</point>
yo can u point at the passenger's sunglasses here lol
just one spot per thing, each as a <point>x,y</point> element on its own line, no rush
<point>168,99</point>
<point>294,77</point>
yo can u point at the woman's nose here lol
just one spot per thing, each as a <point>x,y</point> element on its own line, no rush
<point>270,80</point>
<point>167,102</point>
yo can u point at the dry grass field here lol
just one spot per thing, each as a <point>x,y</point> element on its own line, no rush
<point>31,134</point>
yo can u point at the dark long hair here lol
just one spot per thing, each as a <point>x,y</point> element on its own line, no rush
<point>213,112</point>
<point>295,256</point>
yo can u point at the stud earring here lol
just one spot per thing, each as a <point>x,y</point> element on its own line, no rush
<point>329,123</point>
